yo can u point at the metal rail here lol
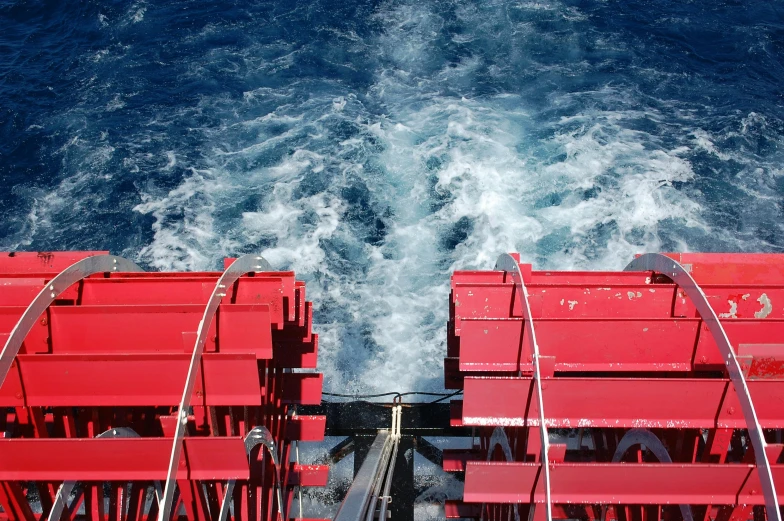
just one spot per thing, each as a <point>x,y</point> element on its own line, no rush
<point>397,411</point>
<point>242,266</point>
<point>509,264</point>
<point>358,496</point>
<point>671,268</point>
<point>64,280</point>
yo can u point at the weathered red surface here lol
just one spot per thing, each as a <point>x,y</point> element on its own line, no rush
<point>618,351</point>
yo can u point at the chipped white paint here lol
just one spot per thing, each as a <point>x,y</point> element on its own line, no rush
<point>652,290</point>
<point>572,303</point>
<point>746,296</point>
<point>767,307</point>
<point>733,310</point>
<point>562,301</point>
<point>630,294</point>
<point>618,295</point>
<point>659,263</point>
<point>644,329</point>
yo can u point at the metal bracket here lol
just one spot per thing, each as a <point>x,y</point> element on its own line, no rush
<point>257,436</point>
<point>64,280</point>
<point>672,269</point>
<point>242,266</point>
<point>509,264</point>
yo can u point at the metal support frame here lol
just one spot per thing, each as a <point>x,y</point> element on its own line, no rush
<point>510,265</point>
<point>257,436</point>
<point>671,268</point>
<point>358,495</point>
<point>64,280</point>
<point>242,266</point>
<point>373,481</point>
<point>67,487</point>
<point>653,443</point>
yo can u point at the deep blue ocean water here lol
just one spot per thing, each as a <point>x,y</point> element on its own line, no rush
<point>374,147</point>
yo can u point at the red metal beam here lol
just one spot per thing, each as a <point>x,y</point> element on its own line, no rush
<point>120,459</point>
<point>677,403</point>
<point>615,483</point>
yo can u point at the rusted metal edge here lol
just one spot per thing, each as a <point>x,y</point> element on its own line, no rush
<point>65,279</point>
<point>509,264</point>
<point>246,264</point>
<point>671,268</point>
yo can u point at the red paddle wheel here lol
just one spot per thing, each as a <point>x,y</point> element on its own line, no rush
<point>659,387</point>
<point>134,395</point>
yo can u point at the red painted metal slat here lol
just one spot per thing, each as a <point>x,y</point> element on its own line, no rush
<point>42,262</point>
<point>618,402</point>
<point>19,291</point>
<point>733,268</point>
<point>582,344</point>
<point>192,290</point>
<point>245,328</point>
<point>613,483</point>
<point>37,340</point>
<point>119,459</point>
<point>127,380</point>
<point>308,475</point>
<point>306,428</point>
<point>127,329</point>
<point>302,388</point>
<point>154,329</point>
<point>566,301</point>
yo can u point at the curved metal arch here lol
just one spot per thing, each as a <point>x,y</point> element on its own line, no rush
<point>246,264</point>
<point>500,439</point>
<point>67,487</point>
<point>257,436</point>
<point>673,269</point>
<point>654,444</point>
<point>509,264</point>
<point>65,279</point>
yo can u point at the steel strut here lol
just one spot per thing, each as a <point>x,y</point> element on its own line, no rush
<point>664,265</point>
<point>242,266</point>
<point>509,264</point>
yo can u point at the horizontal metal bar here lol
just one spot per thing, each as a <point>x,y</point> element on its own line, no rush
<point>617,483</point>
<point>350,418</point>
<point>120,459</point>
<point>90,329</point>
<point>620,402</point>
<point>129,380</point>
<point>606,344</point>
